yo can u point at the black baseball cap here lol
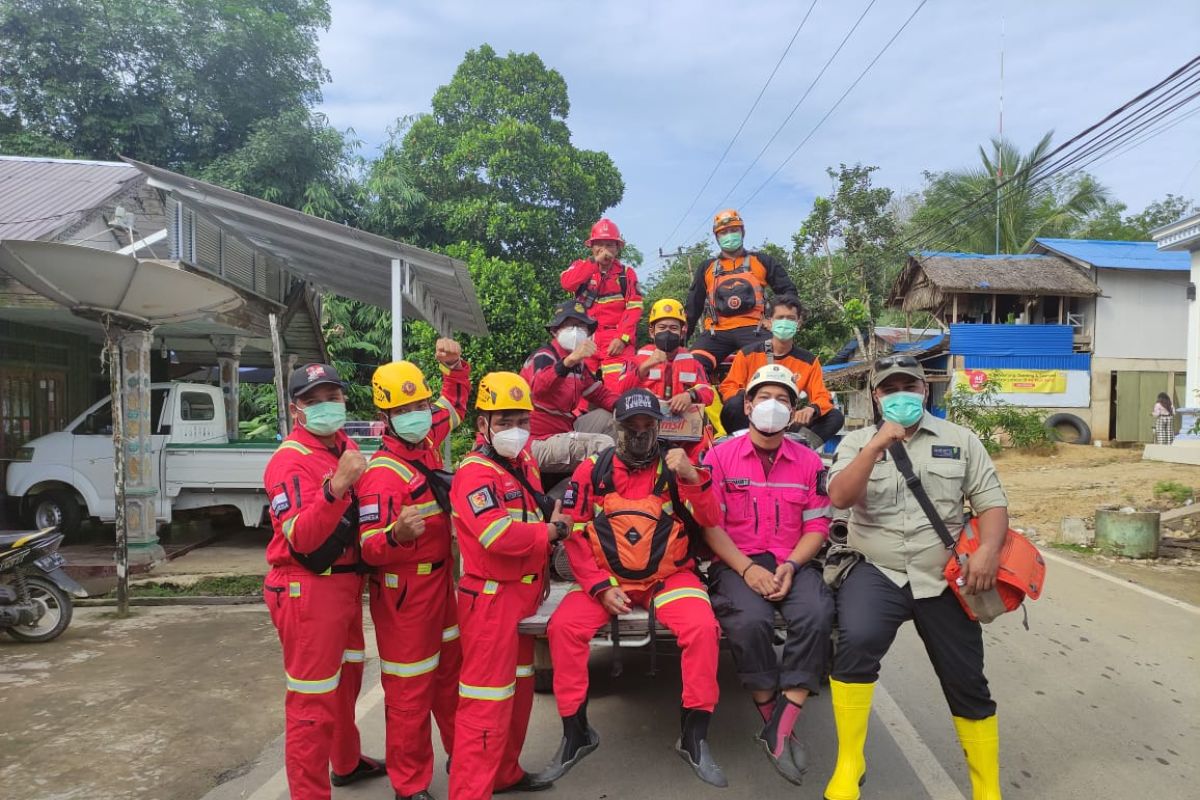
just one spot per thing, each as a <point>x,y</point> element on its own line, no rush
<point>310,375</point>
<point>635,402</point>
<point>571,310</point>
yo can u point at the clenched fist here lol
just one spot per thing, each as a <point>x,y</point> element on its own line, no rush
<point>350,468</point>
<point>888,432</point>
<point>409,525</point>
<point>681,465</point>
<point>653,360</point>
<point>585,350</point>
<point>615,601</point>
<point>448,352</point>
<point>615,347</point>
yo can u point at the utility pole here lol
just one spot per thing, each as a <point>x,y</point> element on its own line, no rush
<point>1000,149</point>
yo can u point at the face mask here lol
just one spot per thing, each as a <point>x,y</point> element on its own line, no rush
<point>637,448</point>
<point>770,416</point>
<point>730,242</point>
<point>570,338</point>
<point>667,341</point>
<point>510,442</point>
<point>902,408</point>
<point>325,419</point>
<point>784,329</point>
<point>413,426</point>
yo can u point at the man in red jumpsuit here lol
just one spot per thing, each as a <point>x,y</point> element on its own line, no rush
<point>404,518</point>
<point>628,546</point>
<point>500,517</point>
<point>314,588</point>
<point>608,291</point>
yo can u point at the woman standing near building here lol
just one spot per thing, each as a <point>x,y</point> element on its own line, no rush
<point>1164,420</point>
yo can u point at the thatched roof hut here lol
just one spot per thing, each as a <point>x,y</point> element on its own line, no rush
<point>928,279</point>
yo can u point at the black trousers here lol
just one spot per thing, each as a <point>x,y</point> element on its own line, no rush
<point>733,418</point>
<point>748,620</point>
<point>871,608</point>
<point>713,347</point>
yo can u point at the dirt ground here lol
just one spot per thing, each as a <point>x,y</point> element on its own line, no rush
<point>151,707</point>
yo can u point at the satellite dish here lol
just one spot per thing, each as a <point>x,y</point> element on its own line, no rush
<point>97,283</point>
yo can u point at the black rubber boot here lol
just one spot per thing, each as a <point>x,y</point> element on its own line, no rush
<point>579,739</point>
<point>528,783</point>
<point>421,795</point>
<point>779,744</point>
<point>367,768</point>
<point>693,747</point>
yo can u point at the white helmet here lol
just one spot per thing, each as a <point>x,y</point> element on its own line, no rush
<point>776,374</point>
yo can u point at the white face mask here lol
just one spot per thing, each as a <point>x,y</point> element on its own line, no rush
<point>510,442</point>
<point>570,338</point>
<point>770,416</point>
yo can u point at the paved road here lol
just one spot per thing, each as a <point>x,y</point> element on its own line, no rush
<point>1097,700</point>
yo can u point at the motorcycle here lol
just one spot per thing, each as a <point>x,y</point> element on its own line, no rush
<point>35,591</point>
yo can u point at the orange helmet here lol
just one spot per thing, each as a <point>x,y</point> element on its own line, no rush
<point>605,231</point>
<point>729,218</point>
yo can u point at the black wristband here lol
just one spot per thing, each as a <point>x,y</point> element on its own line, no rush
<point>560,530</point>
<point>796,565</point>
<point>747,569</point>
<point>327,490</point>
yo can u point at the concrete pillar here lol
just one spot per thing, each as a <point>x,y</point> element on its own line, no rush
<point>141,472</point>
<point>229,355</point>
<point>1190,403</point>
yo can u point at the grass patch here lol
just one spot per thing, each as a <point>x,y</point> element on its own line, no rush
<point>216,586</point>
<point>1082,549</point>
<point>1174,491</point>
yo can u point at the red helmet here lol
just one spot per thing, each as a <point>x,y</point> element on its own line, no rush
<point>605,231</point>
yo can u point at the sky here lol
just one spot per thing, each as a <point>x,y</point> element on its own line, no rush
<point>662,87</point>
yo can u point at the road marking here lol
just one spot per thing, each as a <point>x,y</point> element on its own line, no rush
<point>933,776</point>
<point>1095,573</point>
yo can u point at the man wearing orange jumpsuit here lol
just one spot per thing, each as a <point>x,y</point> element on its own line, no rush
<point>628,546</point>
<point>404,518</point>
<point>504,533</point>
<point>314,589</point>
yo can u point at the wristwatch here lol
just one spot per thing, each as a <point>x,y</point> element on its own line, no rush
<point>560,530</point>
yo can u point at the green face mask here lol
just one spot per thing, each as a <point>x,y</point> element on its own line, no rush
<point>784,329</point>
<point>413,426</point>
<point>325,419</point>
<point>730,242</point>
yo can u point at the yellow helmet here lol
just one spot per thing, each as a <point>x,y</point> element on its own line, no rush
<point>503,391</point>
<point>729,218</point>
<point>667,309</point>
<point>398,383</point>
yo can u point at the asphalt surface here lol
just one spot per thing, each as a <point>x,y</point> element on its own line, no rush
<point>1098,699</point>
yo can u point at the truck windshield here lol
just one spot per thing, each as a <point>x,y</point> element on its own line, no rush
<point>99,422</point>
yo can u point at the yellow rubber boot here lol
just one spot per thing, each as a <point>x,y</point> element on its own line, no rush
<point>981,744</point>
<point>851,712</point>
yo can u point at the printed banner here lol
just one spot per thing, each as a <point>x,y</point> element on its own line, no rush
<point>1014,381</point>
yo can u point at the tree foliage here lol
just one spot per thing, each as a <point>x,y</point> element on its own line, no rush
<point>175,83</point>
<point>1111,221</point>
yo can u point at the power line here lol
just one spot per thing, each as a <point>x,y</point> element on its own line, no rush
<point>845,94</point>
<point>738,132</point>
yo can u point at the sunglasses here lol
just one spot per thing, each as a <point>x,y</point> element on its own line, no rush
<point>896,361</point>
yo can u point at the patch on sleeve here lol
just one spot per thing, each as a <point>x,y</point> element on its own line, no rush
<point>368,508</point>
<point>947,451</point>
<point>280,501</point>
<point>823,483</point>
<point>571,496</point>
<point>482,500</point>
<point>512,494</point>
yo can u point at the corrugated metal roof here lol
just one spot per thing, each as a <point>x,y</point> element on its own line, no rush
<point>1075,361</point>
<point>1011,340</point>
<point>41,196</point>
<point>1105,254</point>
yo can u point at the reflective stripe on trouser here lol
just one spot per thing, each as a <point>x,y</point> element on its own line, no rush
<point>682,605</point>
<point>417,664</point>
<point>494,703</point>
<point>317,625</point>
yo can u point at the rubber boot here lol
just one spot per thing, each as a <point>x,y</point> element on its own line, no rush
<point>693,747</point>
<point>421,795</point>
<point>367,768</point>
<point>851,712</point>
<point>579,739</point>
<point>775,740</point>
<point>981,743</point>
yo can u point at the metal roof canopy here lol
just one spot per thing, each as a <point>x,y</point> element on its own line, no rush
<point>1110,254</point>
<point>344,260</point>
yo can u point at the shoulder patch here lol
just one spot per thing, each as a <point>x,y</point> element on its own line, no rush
<point>571,496</point>
<point>280,501</point>
<point>368,508</point>
<point>482,500</point>
<point>946,451</point>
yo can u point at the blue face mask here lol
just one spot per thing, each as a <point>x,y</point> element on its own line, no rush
<point>413,426</point>
<point>902,408</point>
<point>325,419</point>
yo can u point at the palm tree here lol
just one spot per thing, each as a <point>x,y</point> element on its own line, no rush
<point>1029,206</point>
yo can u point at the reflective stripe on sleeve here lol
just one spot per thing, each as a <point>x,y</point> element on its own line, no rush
<point>494,531</point>
<point>391,580</point>
<point>299,448</point>
<point>383,462</point>
<point>490,587</point>
<point>450,634</point>
<point>817,513</point>
<point>293,588</point>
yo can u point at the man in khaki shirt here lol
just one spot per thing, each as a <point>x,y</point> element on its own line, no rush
<point>901,577</point>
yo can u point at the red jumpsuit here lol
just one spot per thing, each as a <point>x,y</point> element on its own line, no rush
<point>412,593</point>
<point>319,617</point>
<point>680,600</point>
<point>504,545</point>
<point>557,390</point>
<point>681,373</point>
<point>616,308</point>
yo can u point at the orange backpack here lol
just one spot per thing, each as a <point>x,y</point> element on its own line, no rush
<point>735,292</point>
<point>642,541</point>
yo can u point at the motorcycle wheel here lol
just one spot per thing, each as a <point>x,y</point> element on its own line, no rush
<point>56,617</point>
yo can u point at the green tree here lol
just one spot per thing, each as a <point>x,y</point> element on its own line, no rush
<point>495,164</point>
<point>1111,221</point>
<point>1028,208</point>
<point>175,82</point>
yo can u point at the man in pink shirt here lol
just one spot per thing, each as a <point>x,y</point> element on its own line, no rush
<point>776,517</point>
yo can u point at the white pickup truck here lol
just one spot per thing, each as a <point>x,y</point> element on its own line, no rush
<point>65,477</point>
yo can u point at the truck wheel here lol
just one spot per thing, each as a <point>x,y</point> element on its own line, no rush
<point>57,606</point>
<point>1069,428</point>
<point>56,509</point>
<point>543,680</point>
